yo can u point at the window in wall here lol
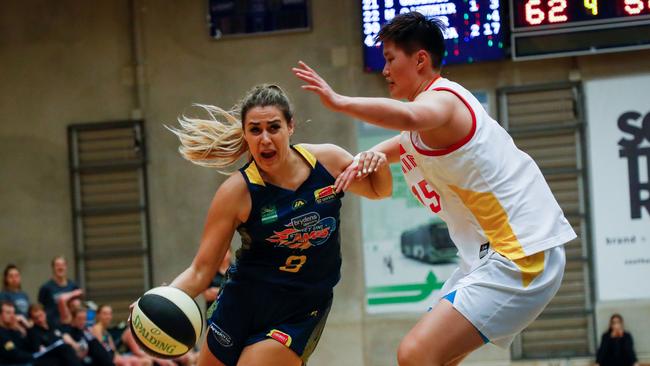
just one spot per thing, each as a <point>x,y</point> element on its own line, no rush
<point>110,211</point>
<point>547,123</point>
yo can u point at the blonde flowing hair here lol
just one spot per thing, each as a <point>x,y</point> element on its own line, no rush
<point>218,141</point>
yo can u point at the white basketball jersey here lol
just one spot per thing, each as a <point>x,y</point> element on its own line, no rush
<point>485,189</point>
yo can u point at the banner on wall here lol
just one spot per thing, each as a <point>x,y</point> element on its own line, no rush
<point>408,254</point>
<point>618,115</point>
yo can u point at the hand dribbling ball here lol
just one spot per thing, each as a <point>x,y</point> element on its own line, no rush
<point>166,322</point>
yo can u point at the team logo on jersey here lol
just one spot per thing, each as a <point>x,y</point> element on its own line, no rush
<point>269,214</point>
<point>298,203</point>
<point>281,337</point>
<point>325,194</point>
<point>304,231</point>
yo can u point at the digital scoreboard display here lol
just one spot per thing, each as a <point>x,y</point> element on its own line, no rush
<point>560,28</point>
<point>530,14</point>
<point>473,32</point>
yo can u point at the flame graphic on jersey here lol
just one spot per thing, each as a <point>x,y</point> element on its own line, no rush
<point>296,239</point>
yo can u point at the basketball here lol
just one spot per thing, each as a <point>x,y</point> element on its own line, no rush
<point>166,322</point>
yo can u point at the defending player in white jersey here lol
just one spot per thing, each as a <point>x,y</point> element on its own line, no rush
<point>463,166</point>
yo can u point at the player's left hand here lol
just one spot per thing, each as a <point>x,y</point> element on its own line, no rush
<point>363,164</point>
<point>318,85</point>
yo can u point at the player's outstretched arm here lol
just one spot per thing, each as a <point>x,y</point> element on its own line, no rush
<point>428,110</point>
<point>230,206</point>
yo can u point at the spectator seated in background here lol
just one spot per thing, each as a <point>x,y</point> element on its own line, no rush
<point>16,347</point>
<point>42,336</point>
<point>616,345</point>
<point>57,286</point>
<point>66,303</point>
<point>12,291</point>
<point>100,331</point>
<point>88,348</point>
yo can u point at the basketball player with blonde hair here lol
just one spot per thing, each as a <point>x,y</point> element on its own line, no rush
<point>464,167</point>
<point>274,304</point>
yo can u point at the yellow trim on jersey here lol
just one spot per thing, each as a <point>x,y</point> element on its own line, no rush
<point>495,224</point>
<point>306,154</point>
<point>254,175</point>
<point>530,267</point>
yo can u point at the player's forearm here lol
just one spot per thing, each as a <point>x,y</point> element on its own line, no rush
<point>192,280</point>
<point>382,182</point>
<point>390,148</point>
<point>382,112</point>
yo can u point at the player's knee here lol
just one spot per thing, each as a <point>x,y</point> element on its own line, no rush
<point>411,352</point>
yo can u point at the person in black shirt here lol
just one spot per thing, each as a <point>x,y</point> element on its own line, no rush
<point>42,336</point>
<point>51,290</point>
<point>15,345</point>
<point>616,345</point>
<point>88,348</point>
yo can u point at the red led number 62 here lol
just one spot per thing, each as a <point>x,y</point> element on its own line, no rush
<point>556,12</point>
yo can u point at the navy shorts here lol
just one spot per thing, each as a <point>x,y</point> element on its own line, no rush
<point>247,313</point>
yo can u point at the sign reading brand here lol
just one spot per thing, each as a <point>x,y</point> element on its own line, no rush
<point>618,146</point>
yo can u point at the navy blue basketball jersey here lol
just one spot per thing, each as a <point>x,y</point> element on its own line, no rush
<point>291,238</point>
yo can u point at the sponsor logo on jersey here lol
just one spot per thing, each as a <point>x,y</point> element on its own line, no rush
<point>408,162</point>
<point>269,214</point>
<point>281,337</point>
<point>298,203</point>
<point>222,337</point>
<point>483,250</point>
<point>325,194</point>
<point>303,221</point>
<point>304,231</point>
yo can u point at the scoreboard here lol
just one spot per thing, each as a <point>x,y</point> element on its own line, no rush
<point>568,13</point>
<point>474,30</point>
<point>555,28</point>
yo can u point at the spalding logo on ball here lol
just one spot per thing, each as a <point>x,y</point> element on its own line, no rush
<point>166,322</point>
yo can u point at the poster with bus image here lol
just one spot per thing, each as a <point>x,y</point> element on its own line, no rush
<point>408,253</point>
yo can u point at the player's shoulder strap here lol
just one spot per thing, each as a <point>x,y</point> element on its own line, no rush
<point>252,174</point>
<point>306,154</point>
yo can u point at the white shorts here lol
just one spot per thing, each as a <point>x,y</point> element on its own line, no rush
<point>501,297</point>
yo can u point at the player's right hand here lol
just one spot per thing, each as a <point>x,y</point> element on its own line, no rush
<point>363,164</point>
<point>318,85</point>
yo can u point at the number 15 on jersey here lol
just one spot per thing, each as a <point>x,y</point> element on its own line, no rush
<point>427,195</point>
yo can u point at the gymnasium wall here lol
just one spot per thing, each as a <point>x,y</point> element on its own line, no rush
<point>70,61</point>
